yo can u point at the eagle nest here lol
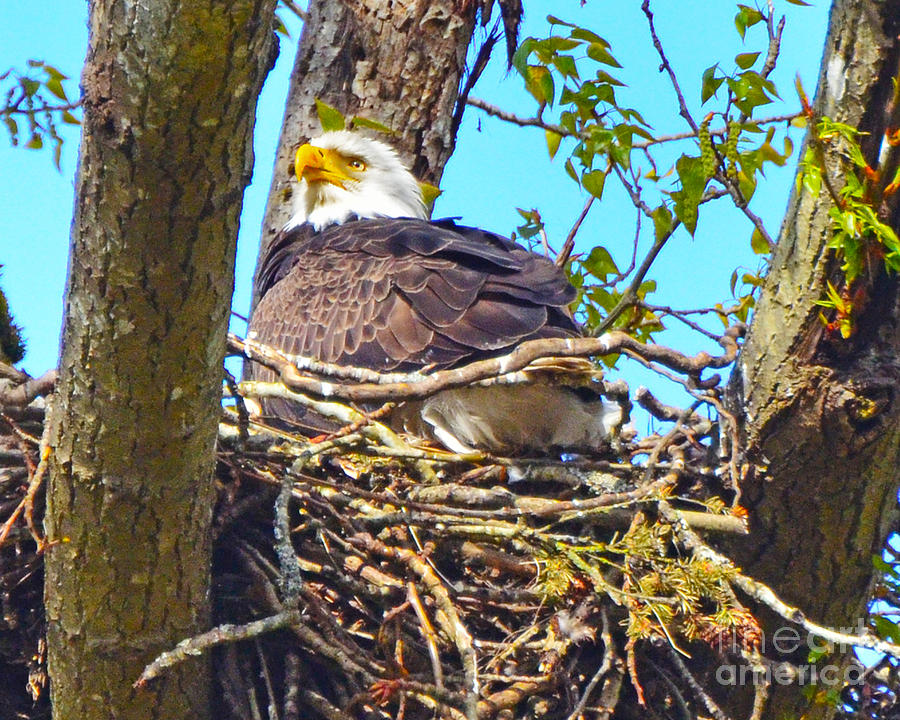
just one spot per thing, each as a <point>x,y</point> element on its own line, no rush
<point>366,575</point>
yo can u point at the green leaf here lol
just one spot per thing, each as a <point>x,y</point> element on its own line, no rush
<point>553,20</point>
<point>568,120</point>
<point>280,27</point>
<point>648,286</point>
<point>12,126</point>
<point>686,209</point>
<point>663,222</point>
<point>710,83</point>
<point>532,225</point>
<point>746,60</point>
<point>811,180</point>
<point>886,629</point>
<point>69,118</point>
<point>29,86</point>
<point>54,85</point>
<point>430,193</point>
<point>586,35</point>
<point>882,566</point>
<point>800,2</point>
<point>754,280</point>
<point>690,172</point>
<point>329,118</point>
<point>553,140</point>
<point>36,143</point>
<point>600,264</point>
<point>539,82</point>
<point>520,57</point>
<point>593,182</point>
<point>746,17</point>
<point>597,51</point>
<point>53,73</point>
<point>758,243</point>
<point>360,122</point>
<point>750,91</point>
<point>557,44</point>
<point>566,66</point>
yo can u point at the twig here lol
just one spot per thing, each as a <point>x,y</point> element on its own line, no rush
<point>514,119</point>
<point>506,367</point>
<point>28,390</point>
<point>609,657</point>
<point>291,579</point>
<point>682,105</point>
<point>569,243</point>
<point>630,295</point>
<point>191,647</point>
<point>428,631</point>
<point>296,9</point>
<point>448,617</point>
<point>472,77</point>
<point>695,686</point>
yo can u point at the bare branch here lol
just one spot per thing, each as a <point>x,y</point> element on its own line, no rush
<point>682,105</point>
<point>504,369</point>
<point>569,244</point>
<point>22,394</point>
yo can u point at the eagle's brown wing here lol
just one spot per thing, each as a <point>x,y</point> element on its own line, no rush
<point>399,294</point>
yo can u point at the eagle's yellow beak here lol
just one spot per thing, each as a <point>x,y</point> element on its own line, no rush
<point>315,164</point>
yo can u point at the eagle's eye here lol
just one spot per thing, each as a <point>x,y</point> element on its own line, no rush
<point>356,164</point>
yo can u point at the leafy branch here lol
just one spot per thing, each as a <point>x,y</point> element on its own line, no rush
<point>38,98</point>
<point>861,238</point>
<point>573,72</point>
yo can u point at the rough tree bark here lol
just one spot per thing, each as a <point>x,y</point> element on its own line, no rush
<point>170,92</point>
<point>398,63</point>
<point>822,416</point>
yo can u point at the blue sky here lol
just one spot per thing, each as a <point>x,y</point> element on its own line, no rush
<point>495,169</point>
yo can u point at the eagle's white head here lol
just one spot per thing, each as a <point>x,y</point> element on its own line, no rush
<point>343,174</point>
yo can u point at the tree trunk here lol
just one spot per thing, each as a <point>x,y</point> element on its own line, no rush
<point>398,63</point>
<point>822,416</point>
<point>170,94</point>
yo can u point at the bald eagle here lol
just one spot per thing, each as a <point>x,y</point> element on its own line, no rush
<point>359,276</point>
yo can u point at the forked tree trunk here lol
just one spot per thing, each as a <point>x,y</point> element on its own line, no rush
<point>170,92</point>
<point>822,413</point>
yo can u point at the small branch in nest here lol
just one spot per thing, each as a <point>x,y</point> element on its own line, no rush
<point>428,631</point>
<point>610,659</point>
<point>448,618</point>
<point>291,579</point>
<point>191,647</point>
<point>695,686</point>
<point>416,386</point>
<point>35,480</point>
<point>28,388</point>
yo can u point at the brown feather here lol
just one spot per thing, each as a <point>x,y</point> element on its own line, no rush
<point>400,293</point>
